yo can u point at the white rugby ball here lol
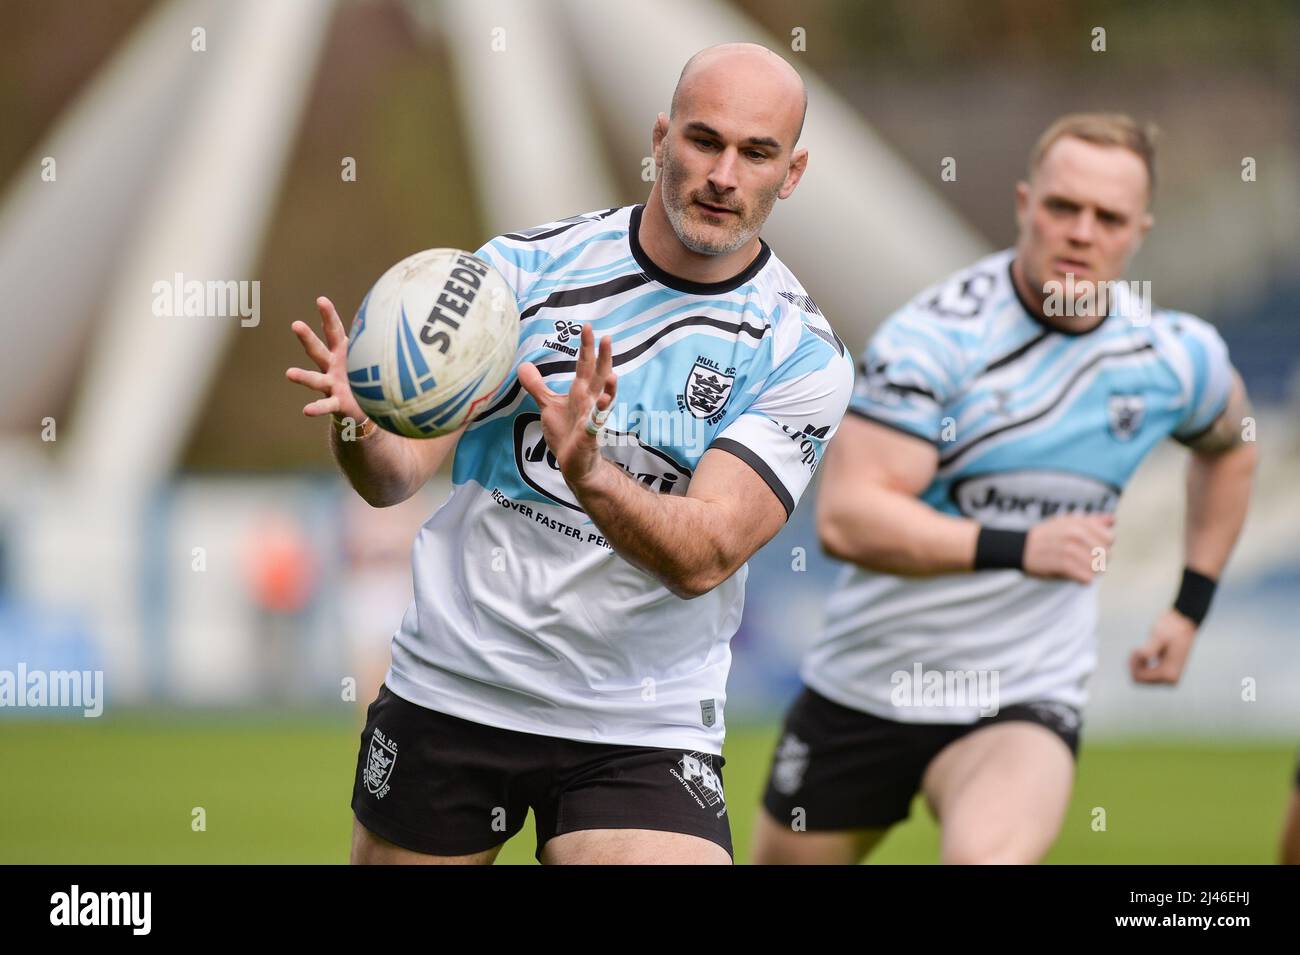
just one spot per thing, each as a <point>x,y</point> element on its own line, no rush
<point>433,340</point>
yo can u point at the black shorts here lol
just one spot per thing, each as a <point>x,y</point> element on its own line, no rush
<point>438,784</point>
<point>846,769</point>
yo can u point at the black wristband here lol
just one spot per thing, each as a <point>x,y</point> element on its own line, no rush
<point>997,549</point>
<point>1194,595</point>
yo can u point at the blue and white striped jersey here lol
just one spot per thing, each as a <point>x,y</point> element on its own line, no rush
<point>524,617</point>
<point>1029,422</point>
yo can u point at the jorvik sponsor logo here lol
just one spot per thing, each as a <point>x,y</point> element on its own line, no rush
<point>221,298</point>
<point>540,469</point>
<point>1016,500</point>
<point>53,689</point>
<point>1086,298</point>
<point>962,689</point>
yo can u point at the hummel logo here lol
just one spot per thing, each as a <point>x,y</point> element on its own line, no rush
<point>565,329</point>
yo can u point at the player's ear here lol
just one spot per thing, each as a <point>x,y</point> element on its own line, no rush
<point>1145,222</point>
<point>657,135</point>
<point>1022,201</point>
<point>798,165</point>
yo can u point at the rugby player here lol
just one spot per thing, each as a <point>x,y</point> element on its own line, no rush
<point>568,646</point>
<point>995,421</point>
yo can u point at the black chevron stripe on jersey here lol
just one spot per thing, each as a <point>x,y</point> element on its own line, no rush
<point>803,301</point>
<point>829,337</point>
<point>1013,355</point>
<point>1060,396</point>
<point>535,236</point>
<point>569,364</point>
<point>587,294</point>
<point>881,370</point>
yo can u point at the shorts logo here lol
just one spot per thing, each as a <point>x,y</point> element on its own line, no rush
<point>1124,414</point>
<point>790,765</point>
<point>1061,716</point>
<point>707,389</point>
<point>379,764</point>
<point>699,779</point>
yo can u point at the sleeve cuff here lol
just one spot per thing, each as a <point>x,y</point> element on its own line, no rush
<point>760,466</point>
<point>891,425</point>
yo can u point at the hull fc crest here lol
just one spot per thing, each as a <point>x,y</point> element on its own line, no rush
<point>379,764</point>
<point>707,389</point>
<point>1124,414</point>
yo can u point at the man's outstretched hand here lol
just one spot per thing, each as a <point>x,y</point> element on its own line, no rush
<point>331,357</point>
<point>565,417</point>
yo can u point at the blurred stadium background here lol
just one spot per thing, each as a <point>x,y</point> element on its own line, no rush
<point>168,516</point>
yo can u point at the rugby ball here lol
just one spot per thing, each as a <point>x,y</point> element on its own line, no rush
<point>433,340</point>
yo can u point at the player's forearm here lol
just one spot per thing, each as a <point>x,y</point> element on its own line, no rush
<point>1218,495</point>
<point>895,533</point>
<point>378,466</point>
<point>674,539</point>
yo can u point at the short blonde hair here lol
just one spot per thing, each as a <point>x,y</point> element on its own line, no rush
<point>1102,129</point>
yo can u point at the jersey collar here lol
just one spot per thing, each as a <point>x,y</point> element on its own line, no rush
<point>1029,310</point>
<point>686,285</point>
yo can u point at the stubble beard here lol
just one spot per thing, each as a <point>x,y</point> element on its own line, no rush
<point>681,210</point>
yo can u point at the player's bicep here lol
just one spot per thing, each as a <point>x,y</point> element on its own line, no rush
<point>748,508</point>
<point>866,452</point>
<point>1226,431</point>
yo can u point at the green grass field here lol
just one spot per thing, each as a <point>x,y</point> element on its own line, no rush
<point>276,790</point>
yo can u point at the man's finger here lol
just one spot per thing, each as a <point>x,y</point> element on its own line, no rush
<point>315,350</point>
<point>1146,660</point>
<point>323,406</point>
<point>312,379</point>
<point>533,383</point>
<point>1138,667</point>
<point>334,334</point>
<point>608,393</point>
<point>586,356</point>
<point>604,361</point>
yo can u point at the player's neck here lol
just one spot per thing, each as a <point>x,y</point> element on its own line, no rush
<point>1032,300</point>
<point>660,243</point>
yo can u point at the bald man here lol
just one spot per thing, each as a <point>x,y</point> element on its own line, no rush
<point>568,647</point>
